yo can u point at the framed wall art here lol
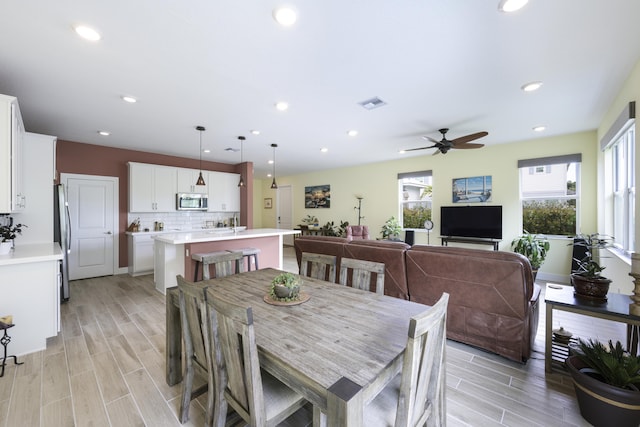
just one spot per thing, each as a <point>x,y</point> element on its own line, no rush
<point>317,196</point>
<point>268,203</point>
<point>475,189</point>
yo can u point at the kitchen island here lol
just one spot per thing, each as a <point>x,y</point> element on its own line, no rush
<point>172,252</point>
<point>30,292</point>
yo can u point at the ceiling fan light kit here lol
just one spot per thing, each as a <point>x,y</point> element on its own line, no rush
<point>511,5</point>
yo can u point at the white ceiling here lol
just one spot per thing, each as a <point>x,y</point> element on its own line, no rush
<point>224,64</point>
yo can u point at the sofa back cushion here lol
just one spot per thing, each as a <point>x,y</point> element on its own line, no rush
<point>387,252</point>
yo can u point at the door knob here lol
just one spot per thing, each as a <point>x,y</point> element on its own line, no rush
<point>107,232</point>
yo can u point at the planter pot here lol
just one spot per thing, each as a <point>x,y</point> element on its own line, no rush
<point>282,291</point>
<point>600,403</point>
<point>594,288</point>
<point>5,247</point>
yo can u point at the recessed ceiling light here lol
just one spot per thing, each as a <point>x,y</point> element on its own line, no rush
<point>282,106</point>
<point>352,133</point>
<point>285,16</point>
<point>511,5</point>
<point>206,150</point>
<point>255,132</point>
<point>268,175</point>
<point>104,133</point>
<point>531,86</point>
<point>270,162</point>
<point>324,149</point>
<point>539,128</point>
<point>129,99</point>
<point>401,152</point>
<point>87,33</point>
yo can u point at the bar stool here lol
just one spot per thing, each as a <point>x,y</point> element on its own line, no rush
<point>249,253</point>
<point>5,340</point>
<point>222,260</point>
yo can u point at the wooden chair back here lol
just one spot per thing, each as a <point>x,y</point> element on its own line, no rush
<point>192,309</point>
<point>422,387</point>
<point>318,266</point>
<point>225,264</point>
<point>363,274</point>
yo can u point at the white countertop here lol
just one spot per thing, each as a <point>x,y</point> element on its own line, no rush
<point>214,235</point>
<point>27,253</point>
<point>176,231</point>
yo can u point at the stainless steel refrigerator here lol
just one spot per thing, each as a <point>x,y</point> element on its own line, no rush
<point>62,235</point>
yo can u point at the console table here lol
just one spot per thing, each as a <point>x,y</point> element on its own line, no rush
<point>616,308</point>
<point>472,240</point>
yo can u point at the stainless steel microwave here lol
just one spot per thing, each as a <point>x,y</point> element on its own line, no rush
<point>191,202</point>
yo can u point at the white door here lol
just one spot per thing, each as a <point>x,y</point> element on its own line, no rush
<point>93,210</point>
<point>285,211</point>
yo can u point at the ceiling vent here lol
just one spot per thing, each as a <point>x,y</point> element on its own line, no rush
<point>372,103</point>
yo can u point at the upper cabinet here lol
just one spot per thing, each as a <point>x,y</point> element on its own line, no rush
<point>224,193</point>
<point>187,181</point>
<point>12,198</point>
<point>152,188</point>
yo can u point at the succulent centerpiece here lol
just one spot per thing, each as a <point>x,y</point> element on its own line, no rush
<point>285,287</point>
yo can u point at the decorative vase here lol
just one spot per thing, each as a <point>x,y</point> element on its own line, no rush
<point>600,403</point>
<point>283,291</point>
<point>590,287</point>
<point>5,247</point>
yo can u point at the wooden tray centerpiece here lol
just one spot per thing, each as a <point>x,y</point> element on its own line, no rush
<point>285,290</point>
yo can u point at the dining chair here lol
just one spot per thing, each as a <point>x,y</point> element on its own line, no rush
<point>259,398</point>
<point>416,397</point>
<point>192,307</point>
<point>362,273</point>
<point>318,266</point>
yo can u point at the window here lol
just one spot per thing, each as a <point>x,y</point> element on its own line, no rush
<point>415,198</point>
<point>549,189</point>
<point>624,190</point>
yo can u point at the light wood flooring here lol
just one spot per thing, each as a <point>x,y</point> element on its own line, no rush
<point>106,368</point>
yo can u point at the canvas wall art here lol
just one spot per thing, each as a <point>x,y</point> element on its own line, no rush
<point>475,189</point>
<point>317,196</point>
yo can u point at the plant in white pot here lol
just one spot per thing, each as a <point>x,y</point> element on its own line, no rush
<point>534,247</point>
<point>607,382</point>
<point>8,232</point>
<point>391,229</point>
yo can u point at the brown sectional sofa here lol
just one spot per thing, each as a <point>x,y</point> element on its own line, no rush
<point>493,301</point>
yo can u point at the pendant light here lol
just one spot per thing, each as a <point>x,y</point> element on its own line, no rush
<point>241,138</point>
<point>273,184</point>
<point>200,180</point>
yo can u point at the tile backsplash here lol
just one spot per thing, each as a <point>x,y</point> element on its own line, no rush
<point>183,220</point>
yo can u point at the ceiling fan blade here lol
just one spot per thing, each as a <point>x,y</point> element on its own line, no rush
<point>466,146</point>
<point>428,138</point>
<point>436,152</point>
<point>468,138</point>
<point>421,148</point>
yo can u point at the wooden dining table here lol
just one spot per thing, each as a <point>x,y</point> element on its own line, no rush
<point>338,349</point>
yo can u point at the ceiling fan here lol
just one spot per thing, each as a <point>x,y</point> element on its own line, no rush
<point>445,145</point>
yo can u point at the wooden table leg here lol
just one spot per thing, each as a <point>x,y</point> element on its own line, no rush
<point>173,332</point>
<point>345,404</point>
<point>548,349</point>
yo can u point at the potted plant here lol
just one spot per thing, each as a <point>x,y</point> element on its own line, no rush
<point>532,246</point>
<point>607,382</point>
<point>391,229</point>
<point>330,229</point>
<point>285,287</point>
<point>587,280</point>
<point>8,232</point>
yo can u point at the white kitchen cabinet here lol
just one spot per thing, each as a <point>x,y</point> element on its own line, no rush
<point>12,197</point>
<point>140,253</point>
<point>224,193</point>
<point>152,188</point>
<point>187,179</point>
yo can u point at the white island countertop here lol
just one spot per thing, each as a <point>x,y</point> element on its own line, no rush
<point>35,252</point>
<point>213,235</point>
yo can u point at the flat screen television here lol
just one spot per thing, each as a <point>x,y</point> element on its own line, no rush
<point>471,221</point>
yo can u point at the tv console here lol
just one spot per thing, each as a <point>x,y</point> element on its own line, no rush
<point>472,240</point>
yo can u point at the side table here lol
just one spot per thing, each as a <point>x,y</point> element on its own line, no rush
<point>5,340</point>
<point>617,308</point>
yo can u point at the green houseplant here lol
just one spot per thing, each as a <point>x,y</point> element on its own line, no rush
<point>587,280</point>
<point>391,229</point>
<point>285,287</point>
<point>8,232</point>
<point>607,382</point>
<point>532,246</point>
